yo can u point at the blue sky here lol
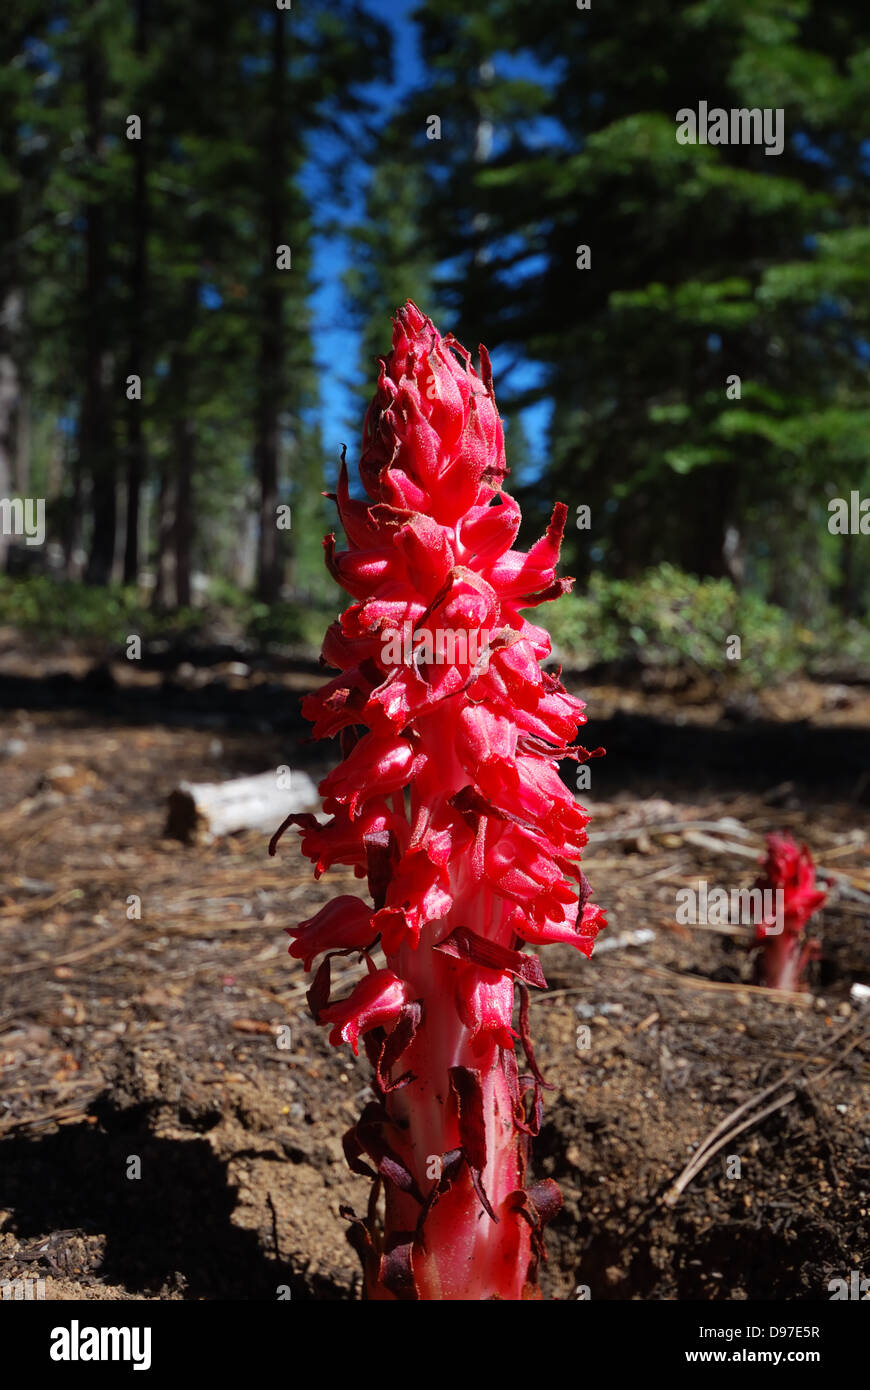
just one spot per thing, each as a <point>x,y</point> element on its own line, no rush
<point>337,345</point>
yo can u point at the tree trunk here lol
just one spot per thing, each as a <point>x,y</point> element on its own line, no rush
<point>183,448</point>
<point>96,444</point>
<point>11,301</point>
<point>185,440</point>
<point>136,363</point>
<point>267,445</point>
<point>164,585</point>
<point>846,590</point>
<point>175,516</point>
<point>9,402</point>
<point>23,432</point>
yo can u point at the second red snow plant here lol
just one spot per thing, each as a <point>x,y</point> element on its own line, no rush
<point>785,948</point>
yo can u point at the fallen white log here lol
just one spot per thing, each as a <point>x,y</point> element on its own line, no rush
<point>642,937</point>
<point>207,810</point>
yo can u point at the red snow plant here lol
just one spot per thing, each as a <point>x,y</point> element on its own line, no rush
<point>786,950</point>
<point>449,804</point>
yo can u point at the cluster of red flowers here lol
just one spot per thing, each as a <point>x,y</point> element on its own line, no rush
<point>449,803</point>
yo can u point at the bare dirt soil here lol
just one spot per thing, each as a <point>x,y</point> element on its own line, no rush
<point>156,1037</point>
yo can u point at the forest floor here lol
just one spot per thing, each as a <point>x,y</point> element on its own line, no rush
<point>157,1038</point>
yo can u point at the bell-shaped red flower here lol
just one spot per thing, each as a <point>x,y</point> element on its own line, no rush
<point>449,802</point>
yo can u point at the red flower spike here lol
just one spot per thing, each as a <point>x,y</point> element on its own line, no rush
<point>449,802</point>
<point>785,948</point>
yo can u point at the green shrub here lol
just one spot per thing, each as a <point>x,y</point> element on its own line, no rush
<point>48,609</point>
<point>666,618</point>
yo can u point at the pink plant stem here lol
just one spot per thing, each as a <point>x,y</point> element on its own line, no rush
<point>783,958</point>
<point>466,1250</point>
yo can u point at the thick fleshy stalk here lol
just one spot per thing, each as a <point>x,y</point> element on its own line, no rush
<point>786,951</point>
<point>448,802</point>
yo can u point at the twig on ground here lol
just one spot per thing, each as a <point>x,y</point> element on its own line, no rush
<point>726,1130</point>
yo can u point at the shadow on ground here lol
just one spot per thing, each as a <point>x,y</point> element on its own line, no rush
<point>170,1230</point>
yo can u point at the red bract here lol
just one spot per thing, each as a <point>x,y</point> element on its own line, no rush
<point>785,949</point>
<point>449,803</point>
